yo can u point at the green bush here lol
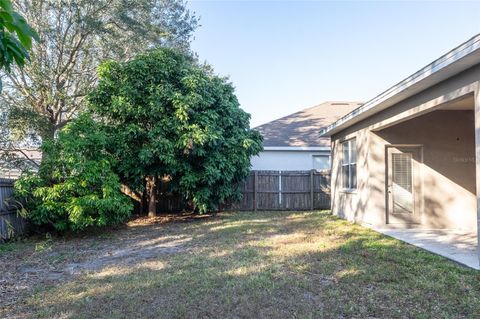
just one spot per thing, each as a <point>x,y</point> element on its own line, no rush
<point>75,186</point>
<point>170,117</point>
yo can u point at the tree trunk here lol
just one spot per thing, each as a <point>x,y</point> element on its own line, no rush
<point>152,196</point>
<point>49,131</point>
<point>144,202</point>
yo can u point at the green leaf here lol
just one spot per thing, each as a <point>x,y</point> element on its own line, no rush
<point>25,40</point>
<point>14,49</point>
<point>6,5</point>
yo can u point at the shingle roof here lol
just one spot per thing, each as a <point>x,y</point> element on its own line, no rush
<point>302,128</point>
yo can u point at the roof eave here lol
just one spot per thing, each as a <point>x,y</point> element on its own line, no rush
<point>296,148</point>
<point>457,60</point>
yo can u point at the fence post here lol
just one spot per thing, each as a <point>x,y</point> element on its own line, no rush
<point>280,189</point>
<point>311,189</point>
<point>255,179</point>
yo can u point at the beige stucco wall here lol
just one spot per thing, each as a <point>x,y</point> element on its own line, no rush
<point>448,169</point>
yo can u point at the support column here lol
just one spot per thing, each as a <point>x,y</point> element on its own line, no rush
<point>477,162</point>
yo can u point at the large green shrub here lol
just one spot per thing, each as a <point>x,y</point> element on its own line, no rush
<point>170,117</point>
<point>158,116</point>
<point>75,186</point>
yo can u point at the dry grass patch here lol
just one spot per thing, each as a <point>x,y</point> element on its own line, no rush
<point>255,265</point>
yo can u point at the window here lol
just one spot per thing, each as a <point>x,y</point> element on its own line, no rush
<point>321,162</point>
<point>349,164</point>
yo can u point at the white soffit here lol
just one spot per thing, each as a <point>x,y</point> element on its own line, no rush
<point>457,60</point>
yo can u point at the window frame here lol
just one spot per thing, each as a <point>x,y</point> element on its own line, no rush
<point>349,163</point>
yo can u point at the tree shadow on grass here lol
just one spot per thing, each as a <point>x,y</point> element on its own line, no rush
<point>274,266</point>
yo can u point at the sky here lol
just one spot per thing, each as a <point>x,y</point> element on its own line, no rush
<point>284,56</point>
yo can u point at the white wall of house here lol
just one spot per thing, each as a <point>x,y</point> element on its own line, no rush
<point>291,160</point>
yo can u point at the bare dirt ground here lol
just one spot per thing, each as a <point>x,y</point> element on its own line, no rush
<point>43,262</point>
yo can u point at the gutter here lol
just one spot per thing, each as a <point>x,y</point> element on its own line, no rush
<point>296,148</point>
<point>382,100</point>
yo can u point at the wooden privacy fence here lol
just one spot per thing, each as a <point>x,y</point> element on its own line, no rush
<point>10,222</point>
<point>262,190</point>
<point>285,190</point>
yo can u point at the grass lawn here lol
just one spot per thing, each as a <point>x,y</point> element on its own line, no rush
<point>238,265</point>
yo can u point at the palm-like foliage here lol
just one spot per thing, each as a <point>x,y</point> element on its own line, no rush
<point>15,37</point>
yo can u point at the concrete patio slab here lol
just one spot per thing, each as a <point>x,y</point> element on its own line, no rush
<point>456,245</point>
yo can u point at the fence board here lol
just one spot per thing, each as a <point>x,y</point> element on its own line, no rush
<point>267,189</point>
<point>285,190</point>
<point>10,223</point>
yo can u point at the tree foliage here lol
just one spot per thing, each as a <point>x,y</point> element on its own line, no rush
<point>15,37</point>
<point>170,118</point>
<point>76,186</point>
<point>75,37</point>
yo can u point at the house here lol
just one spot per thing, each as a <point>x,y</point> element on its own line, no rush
<point>409,158</point>
<point>14,161</point>
<point>292,142</point>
